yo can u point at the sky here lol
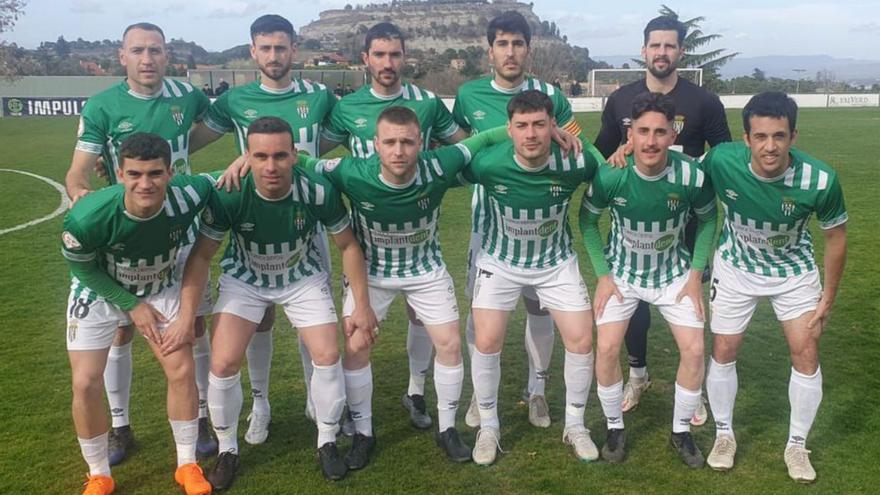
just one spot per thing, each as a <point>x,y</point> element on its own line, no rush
<point>847,29</point>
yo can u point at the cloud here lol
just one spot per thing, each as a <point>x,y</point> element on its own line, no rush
<point>236,9</point>
<point>86,7</point>
<point>868,27</point>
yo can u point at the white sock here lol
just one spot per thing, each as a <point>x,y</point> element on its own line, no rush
<point>95,452</point>
<point>186,433</point>
<point>611,398</point>
<point>470,336</point>
<point>686,403</point>
<point>308,370</point>
<point>638,373</point>
<point>359,394</point>
<point>486,375</point>
<point>259,359</point>
<point>224,403</point>
<point>721,387</point>
<point>328,384</point>
<point>419,348</point>
<point>539,347</point>
<point>578,376</point>
<point>202,358</point>
<point>447,383</point>
<point>805,395</point>
<point>117,382</point>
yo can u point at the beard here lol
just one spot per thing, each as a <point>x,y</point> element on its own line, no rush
<point>662,73</point>
<point>275,72</point>
<point>395,76</point>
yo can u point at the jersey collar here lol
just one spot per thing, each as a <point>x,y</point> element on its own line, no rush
<point>140,219</point>
<point>281,91</point>
<point>531,170</point>
<point>650,178</point>
<point>397,186</point>
<point>142,96</point>
<point>511,91</point>
<point>789,172</point>
<point>387,97</point>
<point>264,198</point>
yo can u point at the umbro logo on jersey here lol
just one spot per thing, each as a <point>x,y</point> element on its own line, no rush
<point>360,123</point>
<point>501,189</point>
<point>367,205</point>
<point>117,247</point>
<point>247,227</point>
<point>250,113</point>
<point>619,201</point>
<point>125,126</point>
<point>479,115</point>
<point>626,122</point>
<point>730,193</point>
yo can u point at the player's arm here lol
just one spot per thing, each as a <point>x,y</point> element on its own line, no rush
<point>592,206</point>
<point>609,141</point>
<point>832,216</point>
<point>182,330</point>
<point>77,179</point>
<point>201,135</point>
<point>354,267</point>
<point>715,128</point>
<point>707,223</point>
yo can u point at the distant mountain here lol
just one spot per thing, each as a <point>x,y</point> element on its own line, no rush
<point>782,66</point>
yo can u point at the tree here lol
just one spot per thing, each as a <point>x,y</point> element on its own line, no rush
<point>10,11</point>
<point>62,47</point>
<point>759,74</point>
<point>10,57</point>
<point>710,61</point>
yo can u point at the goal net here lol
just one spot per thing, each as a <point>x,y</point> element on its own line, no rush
<point>603,82</point>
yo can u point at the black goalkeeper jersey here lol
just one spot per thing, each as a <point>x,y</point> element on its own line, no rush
<point>699,117</point>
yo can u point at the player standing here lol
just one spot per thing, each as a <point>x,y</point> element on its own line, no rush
<point>121,246</point>
<point>353,123</point>
<point>769,191</point>
<point>480,105</point>
<point>699,120</point>
<point>146,101</point>
<point>529,183</point>
<point>646,260</point>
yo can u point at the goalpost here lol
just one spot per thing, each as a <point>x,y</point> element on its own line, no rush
<point>603,82</point>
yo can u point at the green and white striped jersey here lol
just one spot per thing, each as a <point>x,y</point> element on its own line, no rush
<point>481,105</point>
<point>648,214</point>
<point>138,253</point>
<point>354,117</point>
<point>304,105</point>
<point>116,113</point>
<point>527,224</point>
<point>765,220</point>
<point>396,225</point>
<point>271,243</point>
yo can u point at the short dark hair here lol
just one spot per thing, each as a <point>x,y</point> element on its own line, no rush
<point>145,146</point>
<point>146,26</point>
<point>530,101</point>
<point>270,125</point>
<point>399,116</point>
<point>653,102</point>
<point>666,23</point>
<point>272,23</point>
<point>774,104</point>
<point>384,31</point>
<point>509,22</point>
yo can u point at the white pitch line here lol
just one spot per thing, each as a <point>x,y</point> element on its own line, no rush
<point>61,208</point>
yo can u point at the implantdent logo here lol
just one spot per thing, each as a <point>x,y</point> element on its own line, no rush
<point>778,241</point>
<point>548,228</point>
<point>663,243</point>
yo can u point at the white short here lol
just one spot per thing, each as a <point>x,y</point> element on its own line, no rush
<point>431,296</point>
<point>474,249</point>
<point>499,286</point>
<point>206,303</point>
<point>92,325</point>
<point>683,313</point>
<point>734,295</point>
<point>307,303</point>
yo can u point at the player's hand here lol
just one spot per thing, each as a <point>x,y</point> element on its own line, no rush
<point>605,289</point>
<point>371,335</point>
<point>363,318</point>
<point>693,289</point>
<point>618,158</point>
<point>100,171</point>
<point>233,174</point>
<point>147,319</point>
<point>176,335</point>
<point>76,197</point>
<point>822,313</point>
<point>569,143</point>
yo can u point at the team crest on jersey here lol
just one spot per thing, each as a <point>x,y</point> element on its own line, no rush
<point>678,124</point>
<point>208,215</point>
<point>619,201</point>
<point>360,123</point>
<point>555,190</point>
<point>788,205</point>
<point>71,331</point>
<point>479,115</point>
<point>176,233</point>
<point>424,202</point>
<point>177,114</point>
<point>299,220</point>
<point>302,108</point>
<point>70,241</point>
<point>672,201</point>
<point>250,113</point>
<point>501,189</point>
<point>247,227</point>
<point>125,126</point>
<point>368,206</point>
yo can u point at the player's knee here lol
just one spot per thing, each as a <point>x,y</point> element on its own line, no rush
<point>724,349</point>
<point>608,348</point>
<point>692,350</point>
<point>223,367</point>
<point>325,356</point>
<point>805,359</point>
<point>87,384</point>
<point>181,373</point>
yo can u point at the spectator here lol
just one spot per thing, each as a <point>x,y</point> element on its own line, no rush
<point>221,88</point>
<point>207,90</point>
<point>576,89</point>
<point>339,91</point>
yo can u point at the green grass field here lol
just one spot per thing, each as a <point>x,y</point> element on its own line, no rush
<point>41,455</point>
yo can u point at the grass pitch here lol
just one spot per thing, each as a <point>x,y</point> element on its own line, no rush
<point>41,455</point>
